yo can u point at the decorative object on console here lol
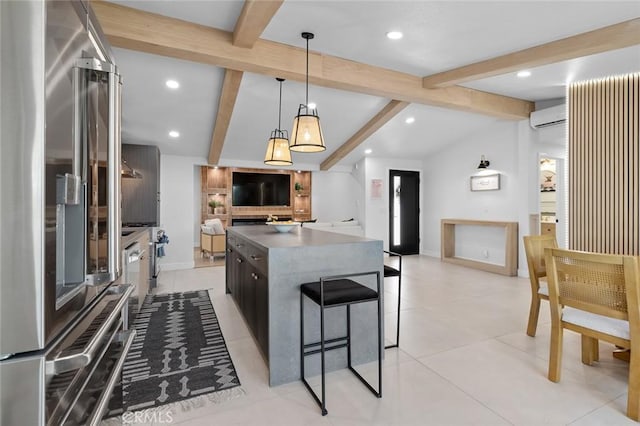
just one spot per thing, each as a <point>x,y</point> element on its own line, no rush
<point>485,182</point>
<point>307,134</point>
<point>278,153</point>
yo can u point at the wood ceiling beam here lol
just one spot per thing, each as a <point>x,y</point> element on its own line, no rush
<point>151,33</point>
<point>613,37</point>
<point>226,103</point>
<point>380,119</point>
<point>255,16</point>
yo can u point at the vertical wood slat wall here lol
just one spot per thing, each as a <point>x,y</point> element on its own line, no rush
<point>604,165</point>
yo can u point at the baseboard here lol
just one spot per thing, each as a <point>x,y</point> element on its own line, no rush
<point>523,273</point>
<point>177,266</point>
<point>431,253</point>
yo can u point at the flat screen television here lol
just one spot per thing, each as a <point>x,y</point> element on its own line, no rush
<point>261,189</point>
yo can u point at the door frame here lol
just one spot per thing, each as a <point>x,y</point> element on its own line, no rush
<point>420,205</point>
<point>562,207</point>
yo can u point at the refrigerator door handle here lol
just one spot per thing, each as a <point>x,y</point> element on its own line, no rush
<point>105,396</point>
<point>84,358</point>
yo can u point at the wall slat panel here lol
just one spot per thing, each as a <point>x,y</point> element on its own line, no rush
<point>604,165</point>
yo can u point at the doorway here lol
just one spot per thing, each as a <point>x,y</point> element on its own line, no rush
<point>552,198</point>
<point>404,211</point>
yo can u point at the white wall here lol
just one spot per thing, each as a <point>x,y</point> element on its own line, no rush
<point>177,190</point>
<point>335,196</point>
<point>376,221</point>
<point>447,191</point>
<point>514,150</point>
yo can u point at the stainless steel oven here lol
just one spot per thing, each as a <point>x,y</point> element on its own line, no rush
<point>60,314</point>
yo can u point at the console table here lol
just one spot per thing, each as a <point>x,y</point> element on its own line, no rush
<point>448,246</point>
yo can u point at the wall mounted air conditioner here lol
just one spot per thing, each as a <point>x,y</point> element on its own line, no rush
<point>548,116</point>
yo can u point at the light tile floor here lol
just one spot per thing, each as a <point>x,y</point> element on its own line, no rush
<point>464,359</point>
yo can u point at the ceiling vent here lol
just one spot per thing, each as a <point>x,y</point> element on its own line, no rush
<point>548,116</point>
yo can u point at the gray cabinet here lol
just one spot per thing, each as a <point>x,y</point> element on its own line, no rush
<point>141,197</point>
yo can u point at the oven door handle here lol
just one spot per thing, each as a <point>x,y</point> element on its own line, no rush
<point>96,416</point>
<point>84,358</point>
<point>135,256</point>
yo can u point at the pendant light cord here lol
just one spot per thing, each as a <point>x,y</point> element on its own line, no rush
<point>280,106</point>
<point>307,95</point>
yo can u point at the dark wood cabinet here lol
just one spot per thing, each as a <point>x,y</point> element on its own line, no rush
<point>247,281</point>
<point>141,196</point>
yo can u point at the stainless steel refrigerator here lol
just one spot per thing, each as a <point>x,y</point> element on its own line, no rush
<point>62,343</point>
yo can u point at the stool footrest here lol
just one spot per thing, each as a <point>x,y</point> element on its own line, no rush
<point>328,341</point>
<point>317,351</point>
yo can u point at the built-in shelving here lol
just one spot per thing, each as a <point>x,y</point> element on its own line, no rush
<point>217,185</point>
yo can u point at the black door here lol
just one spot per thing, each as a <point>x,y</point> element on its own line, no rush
<point>404,211</point>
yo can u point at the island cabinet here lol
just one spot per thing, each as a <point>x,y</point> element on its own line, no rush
<point>264,270</point>
<point>247,282</point>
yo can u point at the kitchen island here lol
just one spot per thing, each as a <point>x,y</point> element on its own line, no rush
<point>264,270</point>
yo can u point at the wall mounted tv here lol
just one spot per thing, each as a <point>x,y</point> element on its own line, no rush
<point>261,189</point>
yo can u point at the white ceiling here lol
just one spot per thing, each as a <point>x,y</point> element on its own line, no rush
<point>437,36</point>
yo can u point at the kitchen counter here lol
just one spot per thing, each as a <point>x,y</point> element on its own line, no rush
<point>135,235</point>
<point>268,238</point>
<point>264,272</point>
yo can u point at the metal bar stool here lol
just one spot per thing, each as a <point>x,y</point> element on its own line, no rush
<point>393,272</point>
<point>331,292</point>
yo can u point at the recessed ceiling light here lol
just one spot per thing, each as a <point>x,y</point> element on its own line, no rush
<point>409,120</point>
<point>174,134</point>
<point>311,105</point>
<point>394,35</point>
<point>523,74</point>
<point>368,151</point>
<point>172,84</point>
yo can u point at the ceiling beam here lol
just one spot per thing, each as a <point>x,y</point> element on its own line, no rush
<point>230,88</point>
<point>151,33</point>
<point>380,119</point>
<point>613,37</point>
<point>255,16</point>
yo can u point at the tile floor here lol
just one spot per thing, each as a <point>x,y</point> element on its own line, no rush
<point>464,359</point>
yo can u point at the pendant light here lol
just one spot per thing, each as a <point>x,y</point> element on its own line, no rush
<point>278,153</point>
<point>307,134</point>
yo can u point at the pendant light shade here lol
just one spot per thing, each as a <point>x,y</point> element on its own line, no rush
<point>278,153</point>
<point>307,134</point>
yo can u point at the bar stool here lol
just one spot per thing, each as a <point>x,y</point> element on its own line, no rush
<point>330,292</point>
<point>389,272</point>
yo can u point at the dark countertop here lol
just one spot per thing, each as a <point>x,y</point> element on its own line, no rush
<point>268,237</point>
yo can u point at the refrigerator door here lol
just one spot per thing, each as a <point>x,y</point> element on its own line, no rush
<point>60,165</point>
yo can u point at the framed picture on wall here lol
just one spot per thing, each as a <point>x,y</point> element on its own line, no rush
<point>485,182</point>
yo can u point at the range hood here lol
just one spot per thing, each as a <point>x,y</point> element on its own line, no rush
<point>129,172</point>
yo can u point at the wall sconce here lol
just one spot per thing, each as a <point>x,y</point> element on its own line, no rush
<point>484,164</point>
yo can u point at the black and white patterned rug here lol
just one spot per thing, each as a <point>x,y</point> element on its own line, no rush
<point>178,356</point>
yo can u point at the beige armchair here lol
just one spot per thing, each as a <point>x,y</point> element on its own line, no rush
<point>212,238</point>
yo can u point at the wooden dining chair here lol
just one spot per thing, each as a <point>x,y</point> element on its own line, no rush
<point>596,295</point>
<point>534,246</point>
